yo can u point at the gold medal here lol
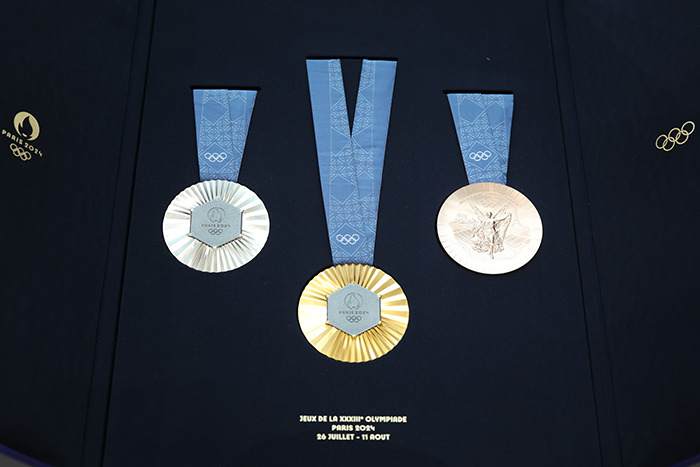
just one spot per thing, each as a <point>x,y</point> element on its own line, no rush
<point>216,226</point>
<point>353,312</point>
<point>489,228</point>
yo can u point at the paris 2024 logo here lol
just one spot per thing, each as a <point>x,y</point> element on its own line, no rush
<point>21,140</point>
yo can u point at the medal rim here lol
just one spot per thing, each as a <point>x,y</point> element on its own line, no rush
<point>312,314</point>
<point>447,240</point>
<point>196,254</point>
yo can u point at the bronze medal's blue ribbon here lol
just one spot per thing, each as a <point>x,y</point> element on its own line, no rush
<point>483,123</point>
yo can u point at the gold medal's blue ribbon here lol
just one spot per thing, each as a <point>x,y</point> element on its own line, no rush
<point>351,163</point>
<point>483,123</point>
<point>222,118</point>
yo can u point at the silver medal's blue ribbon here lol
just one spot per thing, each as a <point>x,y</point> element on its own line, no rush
<point>483,123</point>
<point>222,119</point>
<point>351,163</point>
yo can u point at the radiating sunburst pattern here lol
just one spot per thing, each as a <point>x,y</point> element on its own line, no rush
<point>336,344</point>
<point>255,226</point>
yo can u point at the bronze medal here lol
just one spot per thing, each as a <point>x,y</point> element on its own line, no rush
<point>489,228</point>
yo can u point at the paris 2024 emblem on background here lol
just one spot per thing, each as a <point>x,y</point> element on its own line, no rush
<point>21,138</point>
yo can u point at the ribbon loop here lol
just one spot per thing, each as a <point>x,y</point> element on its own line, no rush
<point>483,123</point>
<point>222,119</point>
<point>351,163</point>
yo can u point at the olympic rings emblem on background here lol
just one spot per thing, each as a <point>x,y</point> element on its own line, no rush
<point>347,239</point>
<point>354,319</point>
<point>216,231</point>
<point>20,152</point>
<point>480,156</point>
<point>215,156</point>
<point>669,141</point>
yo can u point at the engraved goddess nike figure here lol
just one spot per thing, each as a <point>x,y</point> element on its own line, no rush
<point>490,231</point>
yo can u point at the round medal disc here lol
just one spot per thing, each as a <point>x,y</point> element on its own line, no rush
<point>216,226</point>
<point>489,228</point>
<point>353,312</point>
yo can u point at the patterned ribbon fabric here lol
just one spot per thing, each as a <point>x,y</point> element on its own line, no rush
<point>483,123</point>
<point>222,119</point>
<point>351,163</point>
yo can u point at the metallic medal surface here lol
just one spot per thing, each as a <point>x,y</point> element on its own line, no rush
<point>339,345</point>
<point>489,228</point>
<point>202,229</point>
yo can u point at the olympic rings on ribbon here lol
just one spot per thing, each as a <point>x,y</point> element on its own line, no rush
<point>673,137</point>
<point>347,239</point>
<point>354,319</point>
<point>20,152</point>
<point>215,156</point>
<point>216,231</point>
<point>480,156</point>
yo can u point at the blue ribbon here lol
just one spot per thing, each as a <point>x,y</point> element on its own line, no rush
<point>351,163</point>
<point>222,119</point>
<point>483,123</point>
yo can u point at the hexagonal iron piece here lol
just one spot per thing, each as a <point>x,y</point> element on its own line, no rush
<point>215,223</point>
<point>354,309</point>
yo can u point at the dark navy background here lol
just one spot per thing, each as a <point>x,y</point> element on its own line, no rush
<point>114,353</point>
<point>636,75</point>
<point>64,218</point>
<point>213,369</point>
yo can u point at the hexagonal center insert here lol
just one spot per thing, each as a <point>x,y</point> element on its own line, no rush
<point>215,223</point>
<point>354,309</point>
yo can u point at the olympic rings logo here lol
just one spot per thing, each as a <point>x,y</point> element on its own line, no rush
<point>354,319</point>
<point>669,141</point>
<point>347,239</point>
<point>216,231</point>
<point>20,152</point>
<point>215,156</point>
<point>480,156</point>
